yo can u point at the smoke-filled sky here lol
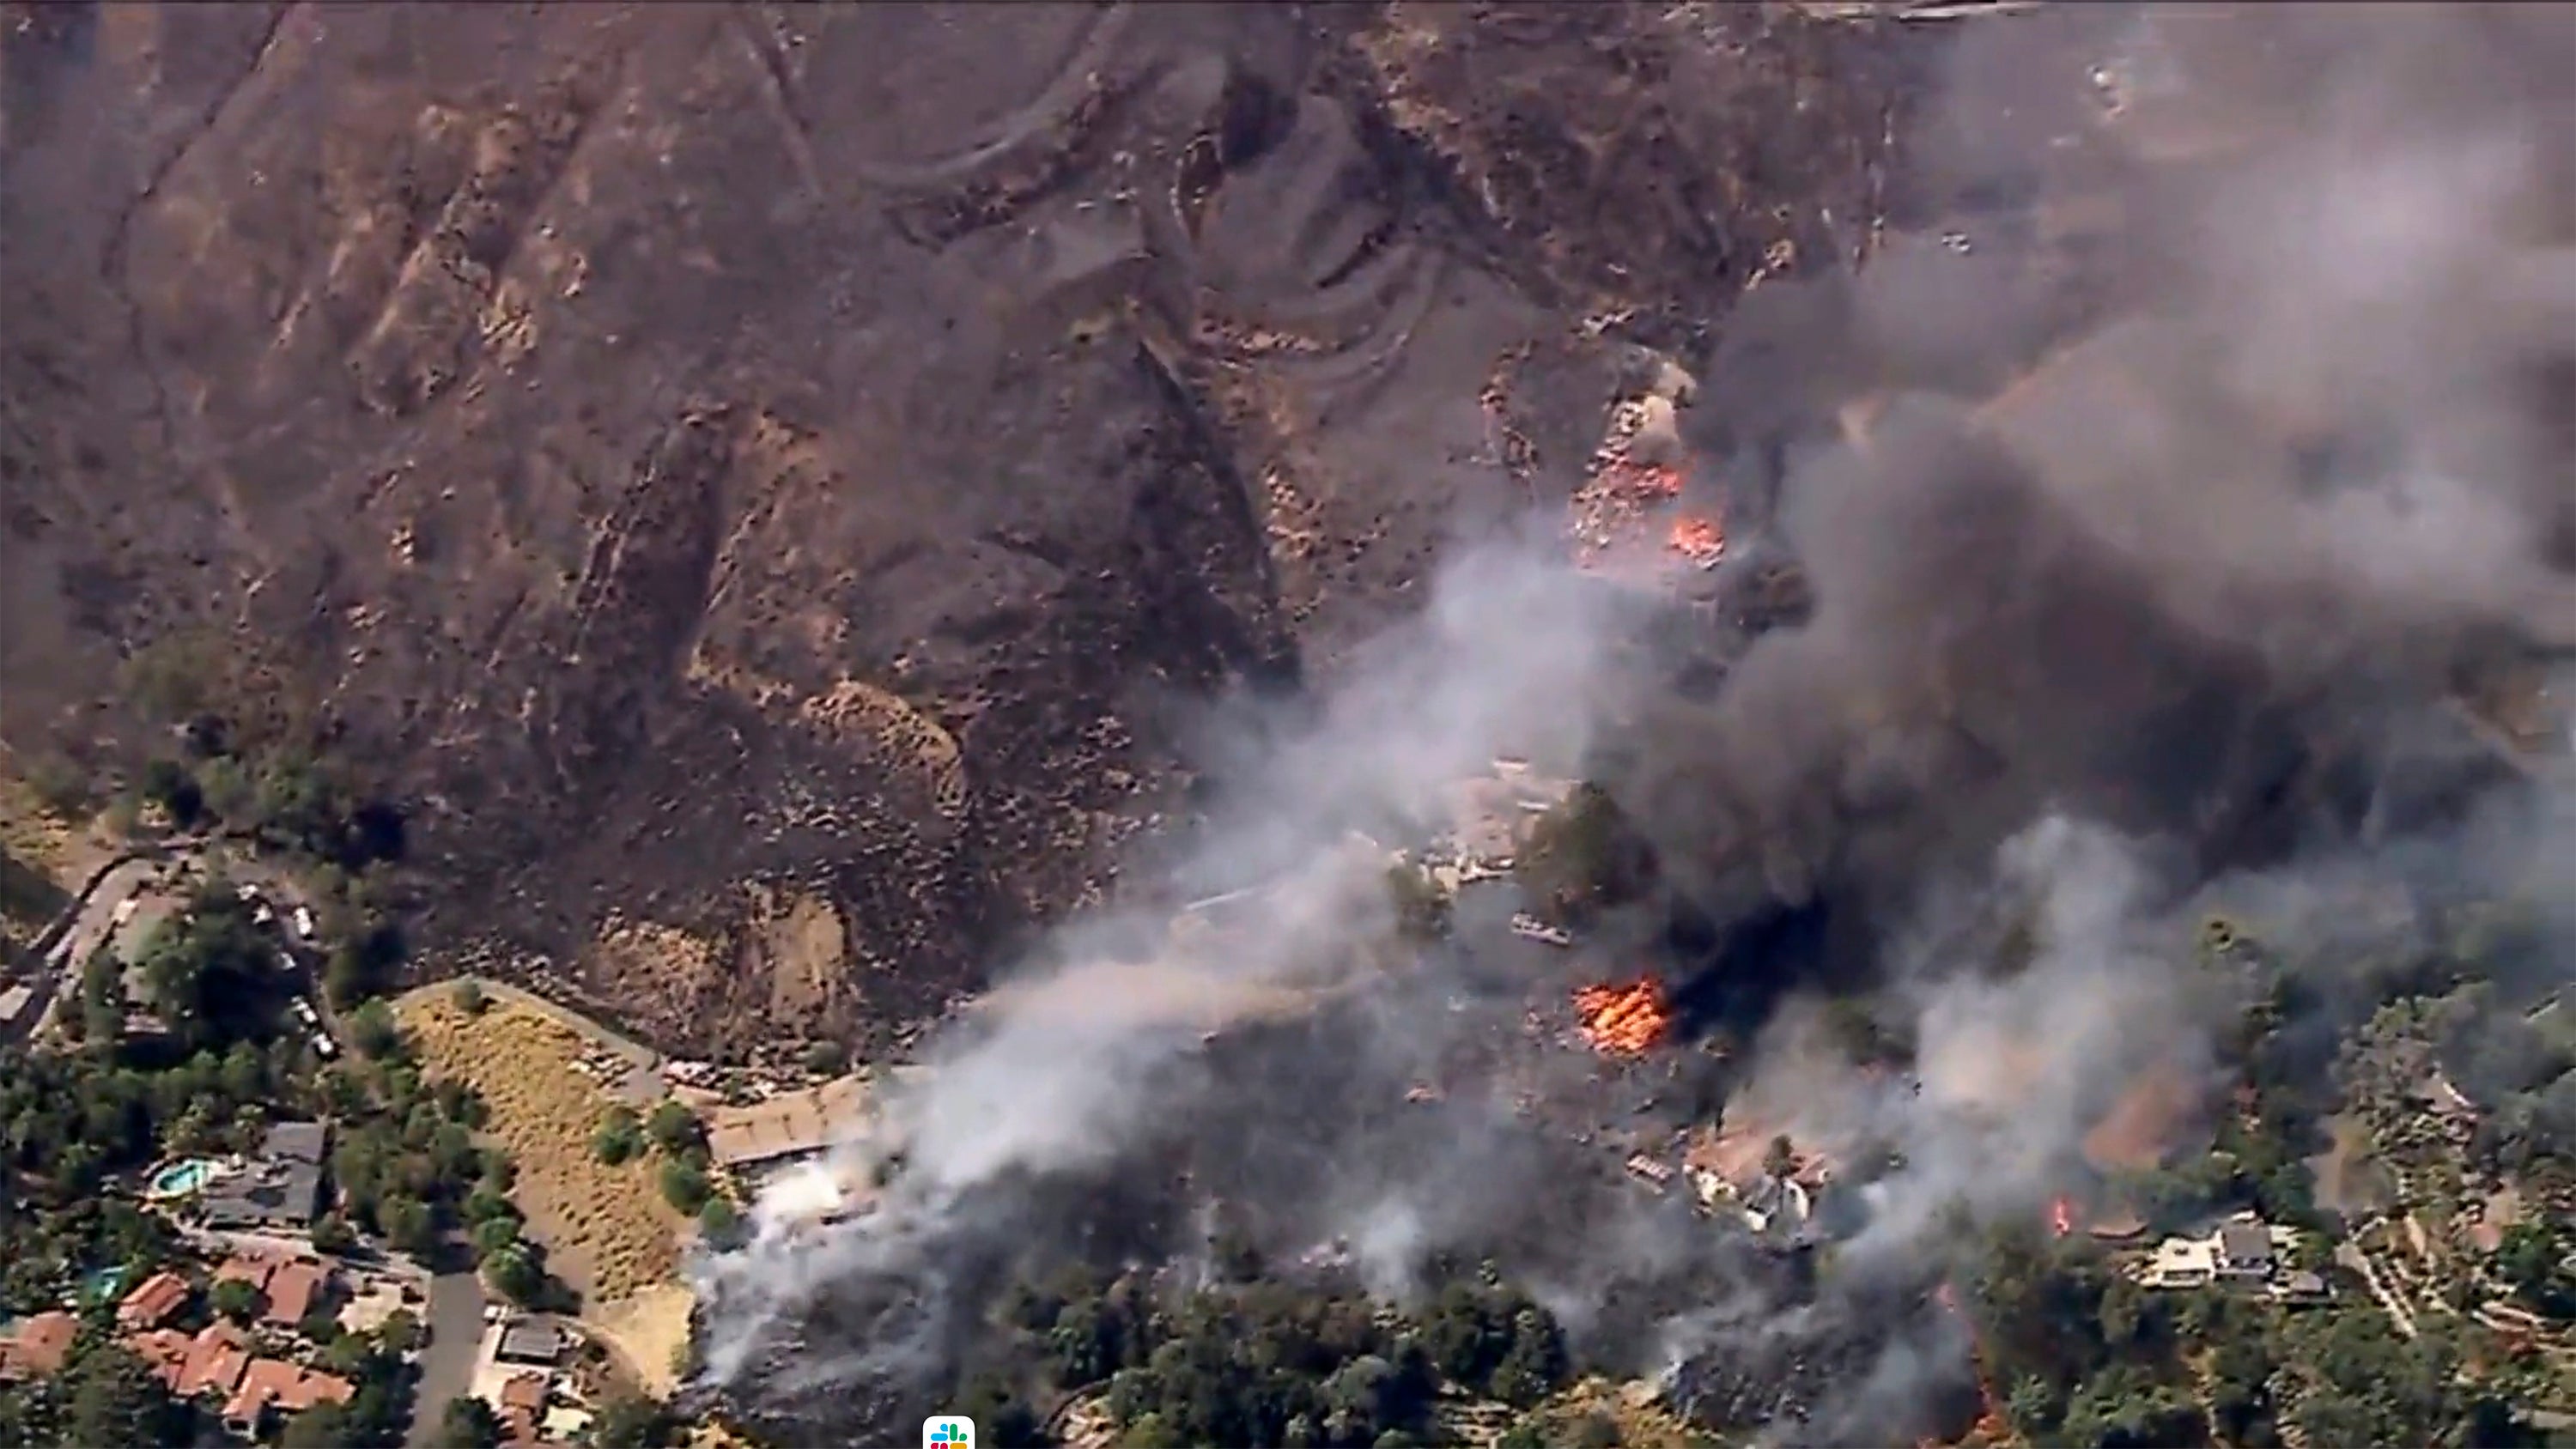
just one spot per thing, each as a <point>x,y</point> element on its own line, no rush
<point>2068,630</point>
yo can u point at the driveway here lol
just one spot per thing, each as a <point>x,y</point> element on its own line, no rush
<point>447,1365</point>
<point>88,923</point>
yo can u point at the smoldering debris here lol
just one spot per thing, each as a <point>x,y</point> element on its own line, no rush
<point>2130,638</point>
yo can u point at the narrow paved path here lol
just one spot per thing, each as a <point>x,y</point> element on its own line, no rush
<point>447,1366</point>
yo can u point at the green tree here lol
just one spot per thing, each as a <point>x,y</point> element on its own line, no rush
<point>400,1333</point>
<point>494,1236</point>
<point>333,1235</point>
<point>102,998</point>
<point>2122,1408</point>
<point>719,1220</point>
<point>468,1423</point>
<point>113,1397</point>
<point>61,786</point>
<point>225,790</point>
<point>407,1223</point>
<point>630,1421</point>
<point>1536,1364</point>
<point>483,1204</point>
<point>168,784</point>
<point>1421,909</point>
<point>514,1272</point>
<point>827,1058</point>
<point>674,1128</point>
<point>2531,1262</point>
<point>470,998</point>
<point>324,1426</point>
<point>373,1030</point>
<point>620,1138</point>
<point>1584,856</point>
<point>684,1185</point>
<point>236,1299</point>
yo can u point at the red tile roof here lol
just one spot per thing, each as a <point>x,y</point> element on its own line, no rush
<point>164,1350</point>
<point>248,1268</point>
<point>217,1358</point>
<point>524,1391</point>
<point>155,1302</point>
<point>40,1347</point>
<point>275,1383</point>
<point>292,1288</point>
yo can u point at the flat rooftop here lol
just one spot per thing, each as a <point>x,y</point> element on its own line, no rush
<point>790,1124</point>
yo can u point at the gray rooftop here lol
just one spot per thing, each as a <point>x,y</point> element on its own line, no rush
<point>279,1190</point>
<point>2245,1243</point>
<point>296,1141</point>
<point>531,1340</point>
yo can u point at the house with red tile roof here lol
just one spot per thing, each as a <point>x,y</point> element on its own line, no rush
<point>153,1303</point>
<point>39,1347</point>
<point>163,1350</point>
<point>251,1268</point>
<point>217,1359</point>
<point>274,1386</point>
<point>293,1288</point>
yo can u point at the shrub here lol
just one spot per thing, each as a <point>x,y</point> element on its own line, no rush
<point>674,1127</point>
<point>620,1138</point>
<point>684,1185</point>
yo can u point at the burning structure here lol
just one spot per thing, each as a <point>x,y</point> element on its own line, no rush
<point>1623,1021</point>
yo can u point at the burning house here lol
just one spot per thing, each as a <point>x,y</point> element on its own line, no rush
<point>1783,1193</point>
<point>1487,822</point>
<point>1637,519</point>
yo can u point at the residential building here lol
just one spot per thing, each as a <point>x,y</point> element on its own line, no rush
<point>2244,1251</point>
<point>534,1342</point>
<point>1646,1169</point>
<point>163,1350</point>
<point>2302,1287</point>
<point>153,1303</point>
<point>297,1142</point>
<point>2181,1263</point>
<point>38,1347</point>
<point>272,1386</point>
<point>294,1289</point>
<point>280,1189</point>
<point>523,1407</point>
<point>217,1359</point>
<point>789,1127</point>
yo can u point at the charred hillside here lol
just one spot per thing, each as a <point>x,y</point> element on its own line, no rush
<point>673,450</point>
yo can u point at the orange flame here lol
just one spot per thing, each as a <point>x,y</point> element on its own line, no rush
<point>2061,1217</point>
<point>1698,539</point>
<point>1622,1021</point>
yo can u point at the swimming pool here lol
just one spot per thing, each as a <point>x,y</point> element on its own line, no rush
<point>104,1285</point>
<point>181,1179</point>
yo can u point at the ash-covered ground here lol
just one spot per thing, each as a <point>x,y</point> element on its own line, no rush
<point>2159,521</point>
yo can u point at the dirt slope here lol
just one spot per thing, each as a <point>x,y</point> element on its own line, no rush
<point>678,446</point>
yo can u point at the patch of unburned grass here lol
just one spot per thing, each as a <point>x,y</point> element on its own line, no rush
<point>40,855</point>
<point>651,1329</point>
<point>605,1229</point>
